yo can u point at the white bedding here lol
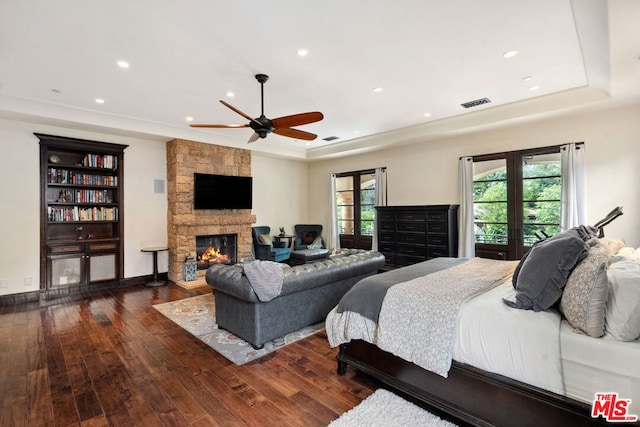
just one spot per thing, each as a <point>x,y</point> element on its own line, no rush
<point>519,357</point>
<point>519,344</point>
<point>593,365</point>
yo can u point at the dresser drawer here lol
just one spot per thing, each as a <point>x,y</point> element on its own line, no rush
<point>387,226</point>
<point>420,251</point>
<point>410,216</point>
<point>436,227</point>
<point>412,238</point>
<point>386,247</point>
<point>437,240</point>
<point>386,215</point>
<point>387,237</point>
<point>411,226</point>
<point>437,217</point>
<point>438,252</point>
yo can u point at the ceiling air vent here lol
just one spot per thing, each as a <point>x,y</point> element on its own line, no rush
<point>330,138</point>
<point>476,102</point>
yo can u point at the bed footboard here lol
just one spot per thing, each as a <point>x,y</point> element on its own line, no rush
<point>469,394</point>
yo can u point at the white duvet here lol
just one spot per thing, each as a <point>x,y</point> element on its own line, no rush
<point>520,344</point>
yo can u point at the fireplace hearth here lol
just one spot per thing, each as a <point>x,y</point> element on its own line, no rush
<point>216,249</point>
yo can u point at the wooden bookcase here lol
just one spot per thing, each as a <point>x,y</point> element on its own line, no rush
<point>412,234</point>
<point>82,227</point>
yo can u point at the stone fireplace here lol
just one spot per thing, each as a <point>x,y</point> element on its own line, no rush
<point>184,223</point>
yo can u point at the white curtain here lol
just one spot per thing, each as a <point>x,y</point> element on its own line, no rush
<point>574,193</point>
<point>466,236</point>
<point>381,200</point>
<point>334,237</point>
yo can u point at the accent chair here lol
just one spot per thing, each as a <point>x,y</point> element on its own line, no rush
<point>306,235</point>
<point>265,248</point>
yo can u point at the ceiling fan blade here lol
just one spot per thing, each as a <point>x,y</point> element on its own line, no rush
<point>253,138</point>
<point>217,126</point>
<point>245,115</point>
<point>297,119</point>
<point>295,133</point>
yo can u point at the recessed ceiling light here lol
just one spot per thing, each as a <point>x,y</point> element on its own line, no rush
<point>99,101</point>
<point>189,118</point>
<point>534,88</point>
<point>427,114</point>
<point>122,64</point>
<point>355,132</point>
<point>377,89</point>
<point>510,54</point>
<point>231,94</point>
<point>303,52</point>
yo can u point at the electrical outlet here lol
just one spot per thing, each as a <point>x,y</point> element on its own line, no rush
<point>4,283</point>
<point>27,281</point>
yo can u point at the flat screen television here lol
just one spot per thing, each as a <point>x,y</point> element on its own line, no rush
<point>221,191</point>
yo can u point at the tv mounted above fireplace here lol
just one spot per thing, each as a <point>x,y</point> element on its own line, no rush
<point>221,191</point>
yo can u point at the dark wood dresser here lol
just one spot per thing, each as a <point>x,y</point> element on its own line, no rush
<point>412,234</point>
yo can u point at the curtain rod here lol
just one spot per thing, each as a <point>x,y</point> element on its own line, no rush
<point>578,146</point>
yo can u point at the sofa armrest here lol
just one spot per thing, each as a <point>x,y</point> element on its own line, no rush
<point>231,280</point>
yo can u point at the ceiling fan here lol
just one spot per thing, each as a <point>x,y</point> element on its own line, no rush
<point>262,126</point>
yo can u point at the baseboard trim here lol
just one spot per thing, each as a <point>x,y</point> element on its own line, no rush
<point>47,297</point>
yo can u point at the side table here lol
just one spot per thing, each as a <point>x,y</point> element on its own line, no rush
<point>155,249</point>
<point>289,238</point>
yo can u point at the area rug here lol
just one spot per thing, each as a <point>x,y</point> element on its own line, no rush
<point>385,409</point>
<point>197,316</point>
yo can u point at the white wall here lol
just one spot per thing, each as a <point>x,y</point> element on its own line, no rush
<point>280,192</point>
<point>426,173</point>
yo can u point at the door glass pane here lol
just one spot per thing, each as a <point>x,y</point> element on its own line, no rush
<point>541,189</point>
<point>490,201</point>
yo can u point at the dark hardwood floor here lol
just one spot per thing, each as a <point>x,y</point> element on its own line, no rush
<point>112,359</point>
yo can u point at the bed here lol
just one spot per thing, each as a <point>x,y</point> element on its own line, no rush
<point>506,366</point>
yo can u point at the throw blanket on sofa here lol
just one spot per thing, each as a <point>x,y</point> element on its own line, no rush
<point>265,277</point>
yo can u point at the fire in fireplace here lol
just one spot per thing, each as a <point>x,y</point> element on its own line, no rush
<point>215,249</point>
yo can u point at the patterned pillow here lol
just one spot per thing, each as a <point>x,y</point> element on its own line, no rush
<point>308,237</point>
<point>584,298</point>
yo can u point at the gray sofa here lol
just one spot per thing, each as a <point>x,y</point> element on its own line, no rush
<point>309,292</point>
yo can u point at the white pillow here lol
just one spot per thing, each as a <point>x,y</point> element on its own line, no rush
<point>622,315</point>
<point>317,244</point>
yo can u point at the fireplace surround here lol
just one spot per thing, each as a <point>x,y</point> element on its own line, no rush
<point>215,249</point>
<point>184,158</point>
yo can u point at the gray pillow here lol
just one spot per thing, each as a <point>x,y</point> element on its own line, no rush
<point>585,295</point>
<point>622,315</point>
<point>545,271</point>
<point>582,231</point>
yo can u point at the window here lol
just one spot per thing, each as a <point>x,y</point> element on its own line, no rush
<point>516,200</point>
<point>355,203</point>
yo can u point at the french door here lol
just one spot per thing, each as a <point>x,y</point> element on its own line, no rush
<point>516,200</point>
<point>355,202</point>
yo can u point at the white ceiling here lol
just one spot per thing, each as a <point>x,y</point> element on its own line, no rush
<point>57,56</point>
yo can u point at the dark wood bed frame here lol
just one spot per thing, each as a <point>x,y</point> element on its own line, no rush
<point>469,394</point>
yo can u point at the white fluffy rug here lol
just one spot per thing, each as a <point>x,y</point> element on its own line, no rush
<point>385,409</point>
